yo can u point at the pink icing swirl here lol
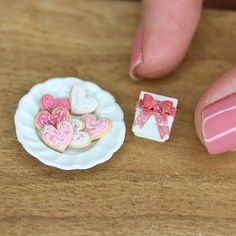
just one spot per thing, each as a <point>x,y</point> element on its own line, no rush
<point>47,102</point>
<point>44,118</point>
<point>58,138</point>
<point>60,114</point>
<point>63,102</point>
<point>95,127</point>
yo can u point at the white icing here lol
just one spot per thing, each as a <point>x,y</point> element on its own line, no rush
<point>80,103</point>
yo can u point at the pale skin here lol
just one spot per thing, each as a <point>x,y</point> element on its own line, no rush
<point>162,41</point>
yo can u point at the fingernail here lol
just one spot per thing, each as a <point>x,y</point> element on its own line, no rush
<point>219,125</point>
<point>136,57</point>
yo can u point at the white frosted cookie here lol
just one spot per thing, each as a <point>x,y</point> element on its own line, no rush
<point>80,139</point>
<point>80,103</point>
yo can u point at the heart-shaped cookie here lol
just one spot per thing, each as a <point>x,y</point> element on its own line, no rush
<point>47,102</point>
<point>96,128</point>
<point>77,124</point>
<point>80,138</point>
<point>80,103</point>
<point>58,138</point>
<point>44,118</point>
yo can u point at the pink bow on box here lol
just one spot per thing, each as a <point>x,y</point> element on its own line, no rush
<point>160,109</point>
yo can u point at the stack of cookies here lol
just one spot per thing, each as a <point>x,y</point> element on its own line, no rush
<point>70,122</point>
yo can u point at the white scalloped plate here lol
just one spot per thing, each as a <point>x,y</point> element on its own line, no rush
<point>99,152</point>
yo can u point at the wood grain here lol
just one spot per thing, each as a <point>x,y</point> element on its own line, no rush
<point>147,188</point>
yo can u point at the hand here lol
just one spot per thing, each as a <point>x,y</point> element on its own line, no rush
<point>163,38</point>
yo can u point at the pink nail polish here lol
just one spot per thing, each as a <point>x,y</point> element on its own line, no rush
<point>219,125</point>
<point>136,57</point>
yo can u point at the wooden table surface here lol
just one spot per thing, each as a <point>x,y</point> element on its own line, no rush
<point>147,188</point>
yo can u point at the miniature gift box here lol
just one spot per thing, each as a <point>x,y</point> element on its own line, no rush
<point>154,116</point>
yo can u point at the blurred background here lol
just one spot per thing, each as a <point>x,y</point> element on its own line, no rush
<point>224,4</point>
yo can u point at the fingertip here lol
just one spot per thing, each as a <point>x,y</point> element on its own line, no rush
<point>136,56</point>
<point>164,38</point>
<point>157,67</point>
<point>215,114</point>
<point>134,75</point>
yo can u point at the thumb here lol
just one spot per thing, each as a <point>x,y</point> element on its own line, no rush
<point>166,31</point>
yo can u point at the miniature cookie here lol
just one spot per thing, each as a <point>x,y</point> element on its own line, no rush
<point>80,138</point>
<point>96,128</point>
<point>47,102</point>
<point>44,118</point>
<point>77,124</point>
<point>58,138</point>
<point>80,103</point>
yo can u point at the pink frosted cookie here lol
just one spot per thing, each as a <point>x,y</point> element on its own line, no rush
<point>96,128</point>
<point>58,138</point>
<point>47,102</point>
<point>80,138</point>
<point>44,118</point>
